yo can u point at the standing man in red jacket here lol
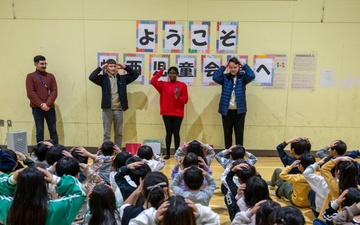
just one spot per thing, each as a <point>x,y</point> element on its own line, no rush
<point>41,89</point>
<point>173,97</point>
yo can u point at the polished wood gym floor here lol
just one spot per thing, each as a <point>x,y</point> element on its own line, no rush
<point>265,166</point>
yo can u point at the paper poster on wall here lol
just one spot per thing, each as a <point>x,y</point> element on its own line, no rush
<point>173,36</point>
<point>209,65</point>
<point>227,37</point>
<point>187,68</point>
<point>327,78</point>
<point>242,58</point>
<point>103,56</point>
<point>199,35</point>
<point>146,36</point>
<point>158,61</point>
<point>264,70</point>
<point>135,62</point>
<point>280,71</point>
<point>303,72</point>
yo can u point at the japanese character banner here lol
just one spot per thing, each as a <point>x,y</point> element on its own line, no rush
<point>209,65</point>
<point>103,56</point>
<point>173,33</point>
<point>187,68</point>
<point>135,62</point>
<point>199,36</point>
<point>264,70</point>
<point>227,37</point>
<point>158,61</point>
<point>146,36</point>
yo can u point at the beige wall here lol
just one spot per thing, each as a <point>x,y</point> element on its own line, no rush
<point>71,33</point>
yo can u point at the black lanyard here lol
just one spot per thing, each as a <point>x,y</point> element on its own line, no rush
<point>42,81</point>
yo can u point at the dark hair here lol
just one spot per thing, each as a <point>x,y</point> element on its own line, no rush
<point>265,210</point>
<point>145,152</point>
<point>120,160</point>
<point>39,58</point>
<point>193,178</point>
<point>190,159</point>
<point>79,158</point>
<point>299,147</point>
<point>110,61</point>
<point>107,148</point>
<point>348,174</point>
<point>306,160</point>
<point>173,68</point>
<point>195,147</point>
<point>67,166</point>
<point>102,205</point>
<point>54,154</point>
<point>255,191</point>
<point>246,173</point>
<point>353,196</point>
<point>234,60</point>
<point>154,192</point>
<point>238,152</point>
<point>40,151</point>
<point>340,147</point>
<point>30,202</point>
<point>13,155</point>
<point>288,215</point>
<point>178,212</point>
<point>138,172</point>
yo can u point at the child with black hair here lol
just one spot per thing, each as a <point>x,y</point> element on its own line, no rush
<point>118,162</point>
<point>103,208</point>
<point>154,189</point>
<point>295,188</point>
<point>155,162</point>
<point>346,171</point>
<point>288,215</point>
<point>190,159</point>
<point>335,148</point>
<point>107,150</point>
<point>227,156</point>
<point>298,146</point>
<point>348,198</point>
<point>264,210</point>
<point>177,211</point>
<point>193,179</point>
<point>243,171</point>
<point>202,150</point>
<point>54,154</point>
<point>255,193</point>
<point>38,154</point>
<point>136,169</point>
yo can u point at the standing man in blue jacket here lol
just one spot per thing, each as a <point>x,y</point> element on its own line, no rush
<point>232,106</point>
<point>114,96</point>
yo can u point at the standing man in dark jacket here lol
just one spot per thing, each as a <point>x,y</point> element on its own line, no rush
<point>232,104</point>
<point>114,96</point>
<point>41,89</point>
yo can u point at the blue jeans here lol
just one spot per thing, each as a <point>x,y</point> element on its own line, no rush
<point>50,117</point>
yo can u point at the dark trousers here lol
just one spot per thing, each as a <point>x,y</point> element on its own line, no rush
<point>233,121</point>
<point>312,200</point>
<point>172,126</point>
<point>50,117</point>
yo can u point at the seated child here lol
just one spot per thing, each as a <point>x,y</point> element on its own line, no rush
<point>296,188</point>
<point>194,179</point>
<point>155,162</point>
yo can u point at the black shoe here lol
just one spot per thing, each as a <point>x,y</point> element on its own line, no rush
<point>167,157</point>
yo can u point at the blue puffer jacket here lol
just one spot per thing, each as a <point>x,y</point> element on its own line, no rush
<point>245,76</point>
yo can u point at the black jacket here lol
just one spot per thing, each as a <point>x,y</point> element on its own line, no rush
<point>122,81</point>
